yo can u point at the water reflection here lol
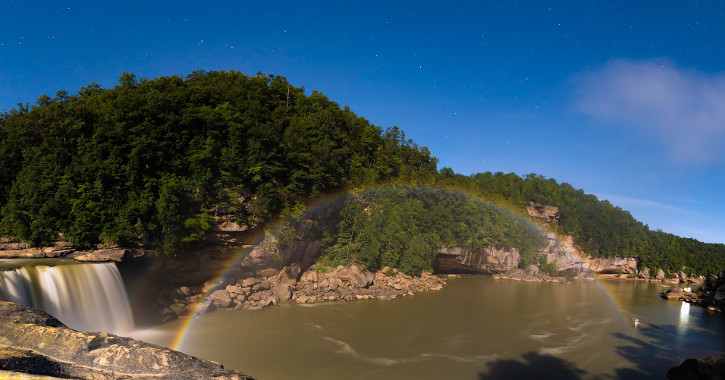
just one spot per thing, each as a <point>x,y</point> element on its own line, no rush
<point>684,316</point>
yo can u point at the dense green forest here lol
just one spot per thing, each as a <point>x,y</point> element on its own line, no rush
<point>405,227</point>
<point>155,161</point>
<point>598,227</point>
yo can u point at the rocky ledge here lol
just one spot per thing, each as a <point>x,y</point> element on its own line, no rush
<point>291,284</point>
<point>33,342</point>
<point>534,274</point>
<point>694,368</point>
<point>101,253</point>
<point>714,301</point>
<point>349,283</point>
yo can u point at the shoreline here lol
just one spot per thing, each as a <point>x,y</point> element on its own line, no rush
<point>320,284</point>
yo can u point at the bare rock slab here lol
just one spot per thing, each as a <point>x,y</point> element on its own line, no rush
<point>34,342</point>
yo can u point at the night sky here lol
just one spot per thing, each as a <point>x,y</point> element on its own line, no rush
<point>624,100</point>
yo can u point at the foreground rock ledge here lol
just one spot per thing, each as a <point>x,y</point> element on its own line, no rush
<point>695,368</point>
<point>34,342</point>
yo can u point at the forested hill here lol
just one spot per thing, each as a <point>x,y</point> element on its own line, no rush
<point>598,227</point>
<point>154,161</point>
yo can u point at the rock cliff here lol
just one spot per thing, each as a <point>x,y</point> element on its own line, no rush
<point>34,342</point>
<point>545,212</point>
<point>562,252</point>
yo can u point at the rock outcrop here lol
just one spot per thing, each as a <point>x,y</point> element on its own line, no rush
<point>694,368</point>
<point>505,263</point>
<point>713,301</point>
<point>34,342</point>
<point>485,261</point>
<point>111,254</point>
<point>545,212</point>
<point>672,294</point>
<point>24,250</point>
<point>290,284</point>
<point>349,283</point>
<point>102,253</point>
<point>532,273</point>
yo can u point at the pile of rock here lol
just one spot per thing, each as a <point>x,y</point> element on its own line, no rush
<point>673,294</point>
<point>714,301</point>
<point>532,273</point>
<point>352,282</point>
<point>317,284</point>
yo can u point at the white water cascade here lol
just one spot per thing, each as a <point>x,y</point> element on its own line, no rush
<point>86,297</point>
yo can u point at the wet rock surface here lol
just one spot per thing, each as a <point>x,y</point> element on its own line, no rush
<point>36,343</point>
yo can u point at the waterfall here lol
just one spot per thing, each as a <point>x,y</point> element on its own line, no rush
<point>86,297</point>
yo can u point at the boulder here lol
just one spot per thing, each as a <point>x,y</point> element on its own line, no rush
<point>268,272</point>
<point>682,276</point>
<point>282,292</point>
<point>672,294</point>
<point>221,298</point>
<point>309,276</point>
<point>184,291</point>
<point>718,297</point>
<point>289,274</point>
<point>235,290</point>
<point>34,342</point>
<point>644,273</point>
<point>250,281</point>
<point>660,275</point>
<point>357,277</point>
<point>262,286</point>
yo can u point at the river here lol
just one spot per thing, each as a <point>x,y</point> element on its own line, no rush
<point>475,328</point>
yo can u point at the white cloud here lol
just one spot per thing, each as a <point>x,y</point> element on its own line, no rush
<point>684,109</point>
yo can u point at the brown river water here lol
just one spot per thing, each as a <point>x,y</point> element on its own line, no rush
<point>475,328</point>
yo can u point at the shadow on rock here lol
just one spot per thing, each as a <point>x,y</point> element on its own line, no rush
<point>532,365</point>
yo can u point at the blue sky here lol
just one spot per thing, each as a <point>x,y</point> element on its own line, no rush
<point>624,100</point>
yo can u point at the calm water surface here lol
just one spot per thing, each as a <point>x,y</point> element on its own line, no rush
<point>475,328</point>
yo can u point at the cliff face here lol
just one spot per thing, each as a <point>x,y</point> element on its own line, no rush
<point>486,261</point>
<point>547,213</point>
<point>567,257</point>
<point>560,250</point>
